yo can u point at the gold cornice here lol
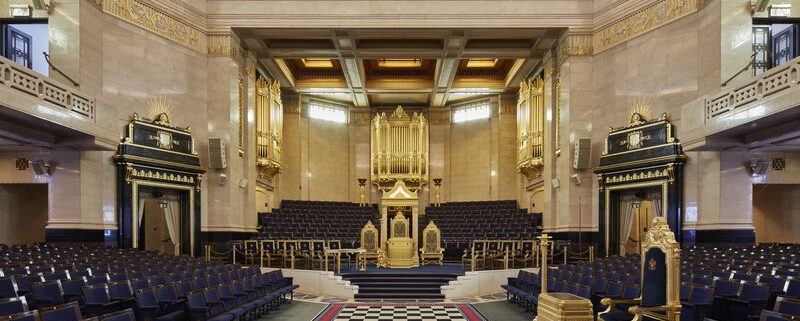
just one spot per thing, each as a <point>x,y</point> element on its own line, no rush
<point>156,19</point>
<point>575,42</point>
<point>643,20</point>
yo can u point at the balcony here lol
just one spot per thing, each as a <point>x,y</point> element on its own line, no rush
<point>761,112</point>
<point>57,113</point>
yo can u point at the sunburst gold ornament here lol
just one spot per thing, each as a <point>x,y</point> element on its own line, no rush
<point>640,110</point>
<point>159,110</point>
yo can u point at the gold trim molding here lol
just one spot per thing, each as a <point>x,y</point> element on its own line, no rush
<point>149,17</point>
<point>576,42</point>
<point>646,19</point>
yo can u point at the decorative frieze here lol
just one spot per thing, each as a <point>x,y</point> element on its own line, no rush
<point>157,175</point>
<point>576,42</point>
<point>648,18</point>
<point>156,20</point>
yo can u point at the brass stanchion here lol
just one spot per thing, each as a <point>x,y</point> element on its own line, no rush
<point>261,254</point>
<point>565,255</point>
<point>545,241</point>
<point>591,253</point>
<point>233,252</point>
<point>291,255</point>
<point>505,261</point>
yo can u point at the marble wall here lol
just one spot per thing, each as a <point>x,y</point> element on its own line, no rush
<point>776,209</point>
<point>23,213</point>
<point>322,159</point>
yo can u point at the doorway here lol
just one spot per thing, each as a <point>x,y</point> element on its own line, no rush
<point>634,213</point>
<point>161,220</point>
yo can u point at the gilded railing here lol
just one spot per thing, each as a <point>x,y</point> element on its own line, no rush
<point>766,85</point>
<point>269,127</point>
<point>47,90</point>
<point>399,149</point>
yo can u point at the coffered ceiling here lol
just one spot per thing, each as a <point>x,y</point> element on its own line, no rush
<point>412,67</point>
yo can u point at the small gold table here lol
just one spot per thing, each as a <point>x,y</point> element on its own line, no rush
<point>361,258</point>
<point>555,306</point>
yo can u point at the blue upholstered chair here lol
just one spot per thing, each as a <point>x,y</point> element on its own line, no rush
<point>97,299</point>
<point>11,306</point>
<point>64,312</point>
<point>124,315</point>
<point>698,303</point>
<point>24,282</point>
<point>8,289</point>
<point>22,316</point>
<point>200,310</point>
<point>47,293</point>
<point>73,289</point>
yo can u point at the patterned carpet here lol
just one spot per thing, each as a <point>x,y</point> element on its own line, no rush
<point>399,312</point>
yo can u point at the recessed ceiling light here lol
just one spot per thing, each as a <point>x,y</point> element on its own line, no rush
<point>482,63</point>
<point>317,63</point>
<point>400,63</point>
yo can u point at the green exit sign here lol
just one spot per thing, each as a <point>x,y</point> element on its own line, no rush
<point>636,205</point>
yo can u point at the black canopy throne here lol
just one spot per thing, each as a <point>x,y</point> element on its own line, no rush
<point>158,155</point>
<point>642,157</point>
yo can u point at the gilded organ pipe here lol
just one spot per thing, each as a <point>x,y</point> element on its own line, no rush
<point>530,128</point>
<point>269,127</point>
<point>399,149</point>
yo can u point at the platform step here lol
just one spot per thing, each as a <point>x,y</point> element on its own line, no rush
<point>364,290</point>
<point>373,284</point>
<point>399,296</point>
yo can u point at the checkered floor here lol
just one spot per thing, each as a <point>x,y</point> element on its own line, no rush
<point>400,312</point>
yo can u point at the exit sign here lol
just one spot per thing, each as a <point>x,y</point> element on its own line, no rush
<point>636,205</point>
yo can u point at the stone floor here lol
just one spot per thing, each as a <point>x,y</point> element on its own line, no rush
<point>307,306</point>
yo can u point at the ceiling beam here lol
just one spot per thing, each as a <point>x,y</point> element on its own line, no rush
<point>25,134</point>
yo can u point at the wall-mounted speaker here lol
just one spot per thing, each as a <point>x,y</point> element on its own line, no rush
<point>582,153</point>
<point>576,178</point>
<point>758,168</point>
<point>555,183</point>
<point>216,153</point>
<point>41,167</point>
<point>243,182</point>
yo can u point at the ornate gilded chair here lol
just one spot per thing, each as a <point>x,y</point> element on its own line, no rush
<point>252,252</point>
<point>660,295</point>
<point>431,245</point>
<point>269,253</point>
<point>475,256</point>
<point>370,242</point>
<point>526,253</point>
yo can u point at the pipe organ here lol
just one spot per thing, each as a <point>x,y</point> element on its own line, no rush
<point>269,127</point>
<point>399,150</point>
<point>530,128</point>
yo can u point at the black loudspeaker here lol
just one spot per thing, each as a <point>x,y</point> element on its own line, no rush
<point>41,167</point>
<point>759,168</point>
<point>217,155</point>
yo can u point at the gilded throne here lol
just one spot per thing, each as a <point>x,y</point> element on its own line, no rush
<point>431,245</point>
<point>401,252</point>
<point>660,295</point>
<point>369,242</point>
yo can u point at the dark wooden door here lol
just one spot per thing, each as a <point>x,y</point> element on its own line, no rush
<point>18,46</point>
<point>783,46</point>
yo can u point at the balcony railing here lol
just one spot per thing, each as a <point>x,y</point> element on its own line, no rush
<point>26,81</point>
<point>743,95</point>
